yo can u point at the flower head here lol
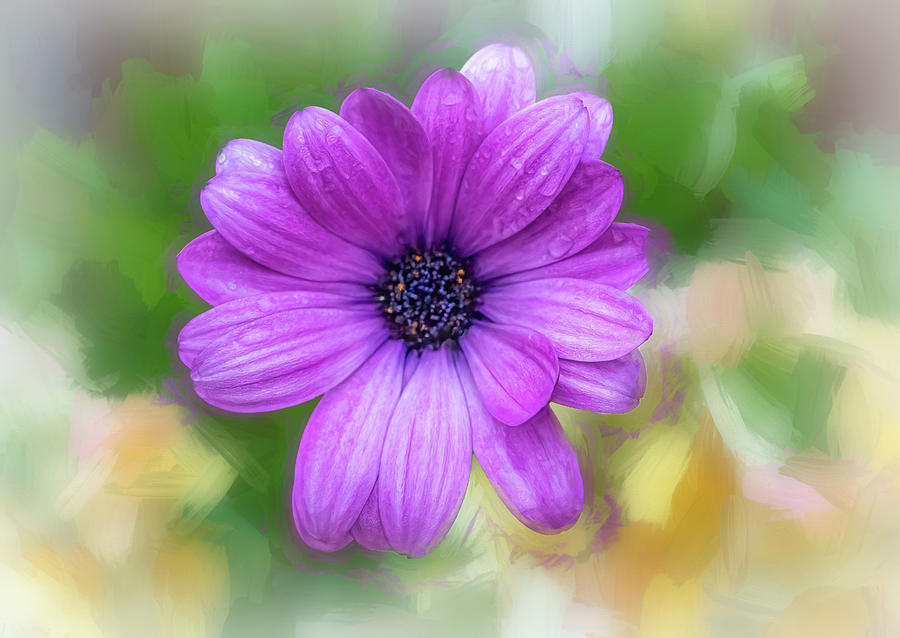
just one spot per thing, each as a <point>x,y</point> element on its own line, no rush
<point>440,273</point>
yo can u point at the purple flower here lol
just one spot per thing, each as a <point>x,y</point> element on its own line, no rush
<point>440,273</point>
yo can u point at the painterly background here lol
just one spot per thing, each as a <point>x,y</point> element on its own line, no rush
<point>754,492</point>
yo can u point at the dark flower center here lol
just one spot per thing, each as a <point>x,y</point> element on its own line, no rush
<point>427,298</point>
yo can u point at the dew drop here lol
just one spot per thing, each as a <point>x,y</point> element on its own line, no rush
<point>559,246</point>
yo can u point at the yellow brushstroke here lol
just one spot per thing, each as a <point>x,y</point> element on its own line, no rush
<point>650,467</point>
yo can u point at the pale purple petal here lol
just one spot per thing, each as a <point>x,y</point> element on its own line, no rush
<point>586,321</point>
<point>514,369</point>
<point>426,458</point>
<point>400,139</point>
<point>368,530</point>
<point>532,466</point>
<point>610,387</point>
<point>340,450</point>
<point>448,107</point>
<point>258,214</point>
<point>285,358</point>
<point>249,156</point>
<point>206,328</point>
<point>601,115</point>
<point>517,171</point>
<point>616,259</point>
<point>579,215</point>
<point>505,81</point>
<point>218,272</point>
<point>343,182</point>
<point>534,470</point>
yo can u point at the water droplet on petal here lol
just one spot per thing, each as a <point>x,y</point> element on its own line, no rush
<point>559,246</point>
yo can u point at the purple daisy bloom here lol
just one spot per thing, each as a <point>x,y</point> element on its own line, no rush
<point>441,273</point>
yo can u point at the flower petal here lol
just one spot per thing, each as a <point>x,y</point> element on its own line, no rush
<point>426,458</point>
<point>339,177</point>
<point>400,139</point>
<point>340,450</point>
<point>610,387</point>
<point>206,328</point>
<point>532,466</point>
<point>285,358</point>
<point>249,156</point>
<point>448,107</point>
<point>580,214</point>
<point>601,114</point>
<point>258,214</point>
<point>505,81</point>
<point>534,470</point>
<point>368,530</point>
<point>586,321</point>
<point>520,168</point>
<point>218,272</point>
<point>514,369</point>
<point>616,259</point>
